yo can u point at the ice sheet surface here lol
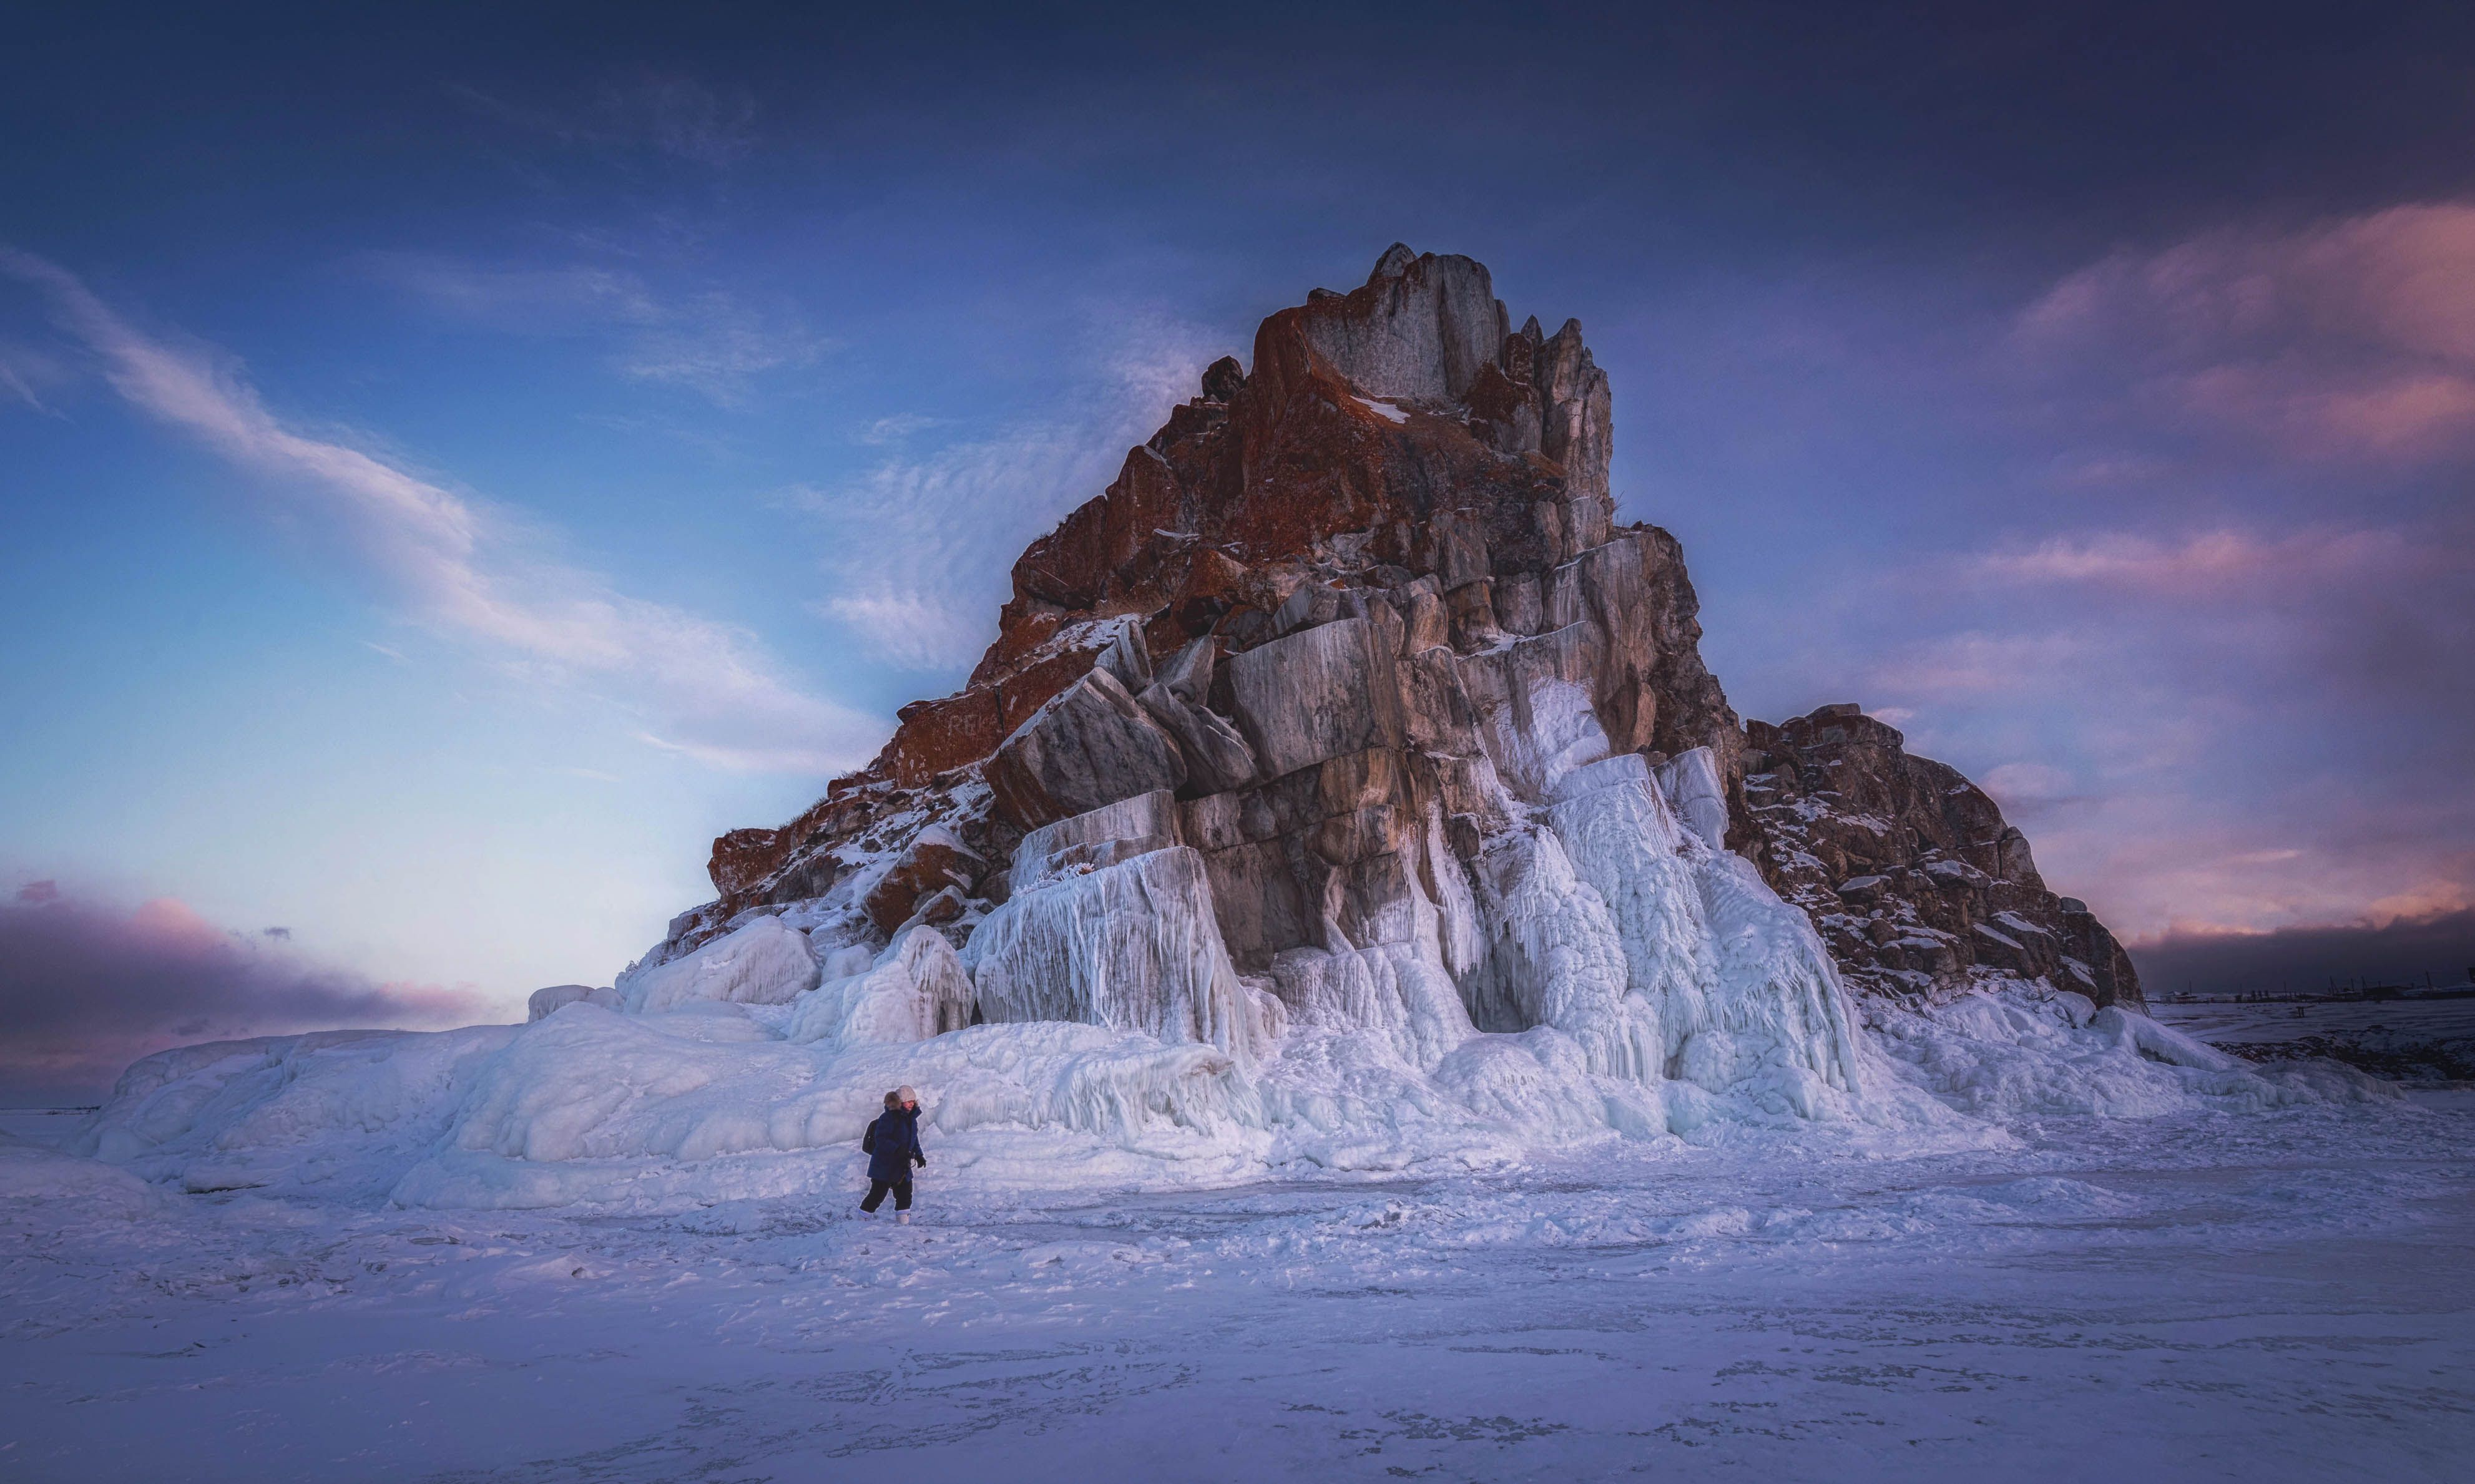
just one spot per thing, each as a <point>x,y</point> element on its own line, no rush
<point>2201,1295</point>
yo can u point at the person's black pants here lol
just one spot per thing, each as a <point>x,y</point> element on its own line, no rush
<point>876,1189</point>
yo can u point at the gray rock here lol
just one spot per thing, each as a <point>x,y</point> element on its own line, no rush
<point>1090,745</point>
<point>1216,757</point>
<point>1435,325</point>
<point>1578,428</point>
<point>1319,693</point>
<point>1126,656</point>
<point>1188,674</point>
<point>1473,611</point>
<point>1333,846</point>
<point>1516,604</point>
<point>1461,548</point>
<point>1313,603</point>
<point>1427,622</point>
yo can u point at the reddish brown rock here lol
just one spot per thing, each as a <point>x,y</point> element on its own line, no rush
<point>934,861</point>
<point>1908,870</point>
<point>743,858</point>
<point>934,737</point>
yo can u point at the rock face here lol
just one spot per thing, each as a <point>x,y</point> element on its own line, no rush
<point>1347,706</point>
<point>1907,869</point>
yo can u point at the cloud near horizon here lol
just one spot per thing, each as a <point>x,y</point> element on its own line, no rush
<point>88,987</point>
<point>2400,950</point>
<point>2217,649</point>
<point>705,688</point>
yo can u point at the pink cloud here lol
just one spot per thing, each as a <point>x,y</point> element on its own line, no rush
<point>1971,662</point>
<point>2224,562</point>
<point>2346,338</point>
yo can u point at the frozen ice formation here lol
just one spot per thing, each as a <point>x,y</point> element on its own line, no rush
<point>763,963</point>
<point>914,989</point>
<point>1344,790</point>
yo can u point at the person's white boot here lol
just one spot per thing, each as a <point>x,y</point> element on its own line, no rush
<point>902,1217</point>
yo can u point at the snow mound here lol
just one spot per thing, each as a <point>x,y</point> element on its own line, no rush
<point>336,1112</point>
<point>765,962</point>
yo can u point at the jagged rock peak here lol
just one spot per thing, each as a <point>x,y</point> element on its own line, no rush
<point>1354,620</point>
<point>1394,262</point>
<point>1396,448</point>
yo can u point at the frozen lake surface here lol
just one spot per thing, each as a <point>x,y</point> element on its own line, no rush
<point>2255,1296</point>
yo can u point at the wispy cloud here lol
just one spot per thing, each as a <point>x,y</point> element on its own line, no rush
<point>2347,338</point>
<point>705,689</point>
<point>2027,788</point>
<point>1973,662</point>
<point>26,374</point>
<point>2215,563</point>
<point>87,987</point>
<point>925,542</point>
<point>895,430</point>
<point>710,341</point>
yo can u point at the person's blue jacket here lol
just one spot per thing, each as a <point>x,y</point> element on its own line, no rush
<point>892,1145</point>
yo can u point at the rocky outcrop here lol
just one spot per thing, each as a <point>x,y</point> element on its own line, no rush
<point>1908,870</point>
<point>1090,745</point>
<point>1348,704</point>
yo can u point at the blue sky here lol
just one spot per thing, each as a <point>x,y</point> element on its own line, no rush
<point>456,464</point>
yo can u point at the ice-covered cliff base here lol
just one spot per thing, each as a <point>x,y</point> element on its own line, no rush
<point>1604,969</point>
<point>675,1110</point>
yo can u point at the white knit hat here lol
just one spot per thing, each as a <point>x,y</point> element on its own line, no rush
<point>906,1094</point>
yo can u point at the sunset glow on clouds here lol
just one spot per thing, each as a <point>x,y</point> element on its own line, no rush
<point>2344,340</point>
<point>86,987</point>
<point>2218,672</point>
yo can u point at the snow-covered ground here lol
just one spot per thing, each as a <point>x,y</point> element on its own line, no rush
<point>2210,1293</point>
<point>2424,1040</point>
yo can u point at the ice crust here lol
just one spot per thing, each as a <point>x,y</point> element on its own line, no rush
<point>765,962</point>
<point>915,989</point>
<point>1602,969</point>
<point>1133,945</point>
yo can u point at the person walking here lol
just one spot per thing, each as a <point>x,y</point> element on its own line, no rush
<point>892,1145</point>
